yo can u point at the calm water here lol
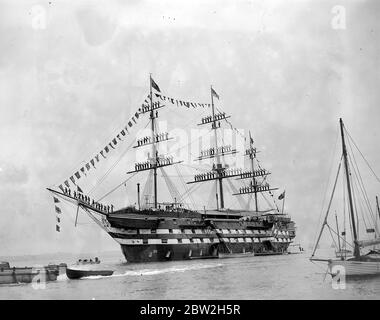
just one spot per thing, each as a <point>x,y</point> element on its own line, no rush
<point>272,277</point>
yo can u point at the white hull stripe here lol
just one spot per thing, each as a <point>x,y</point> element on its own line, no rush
<point>186,241</point>
<point>189,231</point>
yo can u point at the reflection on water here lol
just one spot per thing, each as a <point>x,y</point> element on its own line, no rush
<point>271,277</point>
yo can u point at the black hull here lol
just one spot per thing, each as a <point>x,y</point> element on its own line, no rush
<point>77,274</point>
<point>169,252</point>
<point>167,236</point>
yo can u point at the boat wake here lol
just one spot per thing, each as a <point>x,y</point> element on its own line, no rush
<point>150,272</point>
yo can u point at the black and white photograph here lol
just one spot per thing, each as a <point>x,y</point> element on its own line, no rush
<point>191,151</point>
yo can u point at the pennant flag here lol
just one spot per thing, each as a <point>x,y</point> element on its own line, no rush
<point>281,196</point>
<point>97,158</point>
<point>114,141</point>
<point>77,175</point>
<point>136,115</point>
<point>123,132</point>
<point>180,102</point>
<point>56,200</point>
<point>107,149</point>
<point>57,209</point>
<point>110,144</point>
<point>133,119</point>
<point>92,162</point>
<point>88,166</point>
<point>130,124</point>
<point>67,184</point>
<point>72,179</point>
<point>157,95</point>
<point>101,152</point>
<point>79,189</point>
<point>214,93</point>
<point>82,169</point>
<point>57,228</point>
<point>154,85</point>
<point>58,220</point>
<point>61,187</point>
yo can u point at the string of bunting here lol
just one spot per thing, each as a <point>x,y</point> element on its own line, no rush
<point>179,102</point>
<point>102,153</point>
<point>58,211</point>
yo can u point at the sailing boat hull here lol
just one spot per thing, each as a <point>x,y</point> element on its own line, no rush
<point>352,268</point>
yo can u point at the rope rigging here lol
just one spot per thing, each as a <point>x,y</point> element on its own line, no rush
<point>102,179</point>
<point>357,148</point>
<point>332,156</point>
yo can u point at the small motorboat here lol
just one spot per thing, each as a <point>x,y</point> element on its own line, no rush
<point>86,268</point>
<point>73,273</point>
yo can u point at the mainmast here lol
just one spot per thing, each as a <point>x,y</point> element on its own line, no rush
<point>218,164</point>
<point>337,231</point>
<point>218,172</point>
<point>345,158</point>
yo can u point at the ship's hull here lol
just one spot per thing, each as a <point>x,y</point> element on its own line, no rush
<point>172,252</point>
<point>165,236</point>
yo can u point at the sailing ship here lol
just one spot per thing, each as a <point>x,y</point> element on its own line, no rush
<point>359,261</point>
<point>172,230</point>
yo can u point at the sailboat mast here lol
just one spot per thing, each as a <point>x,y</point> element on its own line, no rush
<point>337,230</point>
<point>154,151</point>
<point>378,210</point>
<point>356,246</point>
<point>251,156</point>
<point>218,165</point>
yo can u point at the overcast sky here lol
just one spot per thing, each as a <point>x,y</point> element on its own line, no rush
<point>72,73</point>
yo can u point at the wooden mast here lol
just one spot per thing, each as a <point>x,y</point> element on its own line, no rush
<point>251,156</point>
<point>218,164</point>
<point>154,151</point>
<point>337,230</point>
<point>352,214</point>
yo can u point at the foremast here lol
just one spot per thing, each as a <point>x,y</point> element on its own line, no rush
<point>155,161</point>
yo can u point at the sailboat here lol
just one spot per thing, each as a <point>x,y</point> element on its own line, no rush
<point>359,263</point>
<point>160,229</point>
